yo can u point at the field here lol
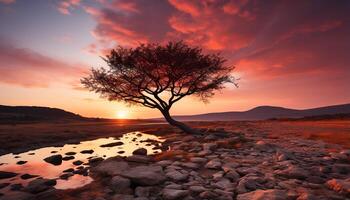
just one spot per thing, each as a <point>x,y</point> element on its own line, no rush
<point>21,137</point>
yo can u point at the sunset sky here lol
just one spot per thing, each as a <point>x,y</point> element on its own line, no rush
<point>287,53</point>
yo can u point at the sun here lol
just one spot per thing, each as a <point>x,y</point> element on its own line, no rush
<point>122,114</point>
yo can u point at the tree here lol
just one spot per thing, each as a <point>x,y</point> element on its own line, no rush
<point>157,76</point>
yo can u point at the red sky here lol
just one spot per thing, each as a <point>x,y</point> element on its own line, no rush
<point>286,53</point>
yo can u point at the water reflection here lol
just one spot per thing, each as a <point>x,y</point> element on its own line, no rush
<point>104,147</point>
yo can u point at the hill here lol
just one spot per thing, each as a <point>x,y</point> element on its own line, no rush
<point>34,113</point>
<point>267,112</point>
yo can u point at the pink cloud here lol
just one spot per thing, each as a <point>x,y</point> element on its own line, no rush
<point>65,6</point>
<point>264,40</point>
<point>7,1</point>
<point>28,68</point>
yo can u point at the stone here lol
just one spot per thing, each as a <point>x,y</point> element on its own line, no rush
<point>213,164</point>
<point>232,175</point>
<point>143,191</point>
<point>68,158</point>
<point>113,144</point>
<point>340,186</point>
<point>140,151</point>
<point>111,167</point>
<point>224,184</point>
<point>293,172</point>
<point>164,163</point>
<point>209,146</point>
<point>272,194</point>
<point>54,159</point>
<point>198,160</point>
<point>39,185</point>
<point>190,165</point>
<point>341,168</point>
<point>18,196</point>
<point>3,185</point>
<point>138,158</point>
<point>145,175</point>
<point>90,151</point>
<point>70,153</point>
<point>77,162</point>
<point>27,176</point>
<point>123,197</point>
<point>16,187</point>
<point>249,182</point>
<point>173,194</point>
<point>197,188</point>
<point>176,175</point>
<point>4,175</point>
<point>21,162</point>
<point>119,184</point>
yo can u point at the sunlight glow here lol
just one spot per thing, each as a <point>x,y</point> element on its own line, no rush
<point>122,114</point>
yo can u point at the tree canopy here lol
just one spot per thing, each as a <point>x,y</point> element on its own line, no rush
<point>157,76</point>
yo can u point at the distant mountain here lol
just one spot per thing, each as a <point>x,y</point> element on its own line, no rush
<point>34,113</point>
<point>267,112</point>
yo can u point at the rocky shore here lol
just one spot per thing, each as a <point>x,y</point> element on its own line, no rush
<point>222,165</point>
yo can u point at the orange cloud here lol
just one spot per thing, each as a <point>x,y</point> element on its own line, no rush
<point>27,68</point>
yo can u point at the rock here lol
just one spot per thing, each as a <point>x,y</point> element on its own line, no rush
<point>208,195</point>
<point>341,168</point>
<point>18,196</point>
<point>232,175</point>
<point>272,194</point>
<point>95,160</point>
<point>306,195</point>
<point>164,163</point>
<point>77,162</point>
<point>283,155</point>
<point>4,175</point>
<point>145,175</point>
<point>190,165</point>
<point>68,158</point>
<point>16,187</point>
<point>198,160</point>
<point>21,162</point>
<point>111,167</point>
<point>340,186</point>
<point>140,151</point>
<point>71,153</point>
<point>176,175</point>
<point>209,146</point>
<point>264,147</point>
<point>213,164</point>
<point>143,191</point>
<point>197,189</point>
<point>39,185</point>
<point>27,176</point>
<point>123,197</point>
<point>68,170</point>
<point>66,176</point>
<point>3,185</point>
<point>224,184</point>
<point>120,184</point>
<point>293,172</point>
<point>249,182</point>
<point>172,194</point>
<point>54,159</point>
<point>87,151</point>
<point>113,144</point>
<point>138,158</point>
<point>172,185</point>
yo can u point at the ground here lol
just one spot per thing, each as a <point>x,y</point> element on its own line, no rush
<point>267,159</point>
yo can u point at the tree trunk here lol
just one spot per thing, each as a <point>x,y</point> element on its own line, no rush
<point>178,124</point>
